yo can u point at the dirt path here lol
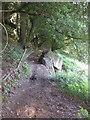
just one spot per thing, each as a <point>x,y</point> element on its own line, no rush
<point>39,98</point>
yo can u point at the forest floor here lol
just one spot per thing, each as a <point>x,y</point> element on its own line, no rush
<point>40,98</point>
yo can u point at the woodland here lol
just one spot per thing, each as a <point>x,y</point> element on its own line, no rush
<point>29,31</point>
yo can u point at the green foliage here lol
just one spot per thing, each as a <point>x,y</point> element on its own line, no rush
<point>27,69</point>
<point>73,79</point>
<point>9,85</point>
<point>17,74</point>
<point>12,54</point>
<point>82,112</point>
<point>61,25</point>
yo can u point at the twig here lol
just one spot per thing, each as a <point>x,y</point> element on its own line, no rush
<point>6,35</point>
<point>6,10</point>
<point>21,58</point>
<point>28,54</point>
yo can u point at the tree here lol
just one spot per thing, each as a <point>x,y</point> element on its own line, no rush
<point>60,25</point>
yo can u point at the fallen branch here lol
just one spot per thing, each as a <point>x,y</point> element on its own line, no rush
<point>16,69</point>
<point>21,59</point>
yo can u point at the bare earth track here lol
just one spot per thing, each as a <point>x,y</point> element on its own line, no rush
<point>39,98</point>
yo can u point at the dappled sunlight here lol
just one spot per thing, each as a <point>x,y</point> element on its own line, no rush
<point>26,112</point>
<point>41,51</point>
<point>82,65</point>
<point>30,112</point>
<point>23,90</point>
<point>18,111</point>
<point>33,61</point>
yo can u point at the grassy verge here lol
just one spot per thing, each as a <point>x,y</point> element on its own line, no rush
<point>74,78</point>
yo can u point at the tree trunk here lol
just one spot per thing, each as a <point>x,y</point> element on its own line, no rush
<point>53,45</point>
<point>18,24</point>
<point>22,39</point>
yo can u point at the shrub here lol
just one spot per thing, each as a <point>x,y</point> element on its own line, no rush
<point>82,112</point>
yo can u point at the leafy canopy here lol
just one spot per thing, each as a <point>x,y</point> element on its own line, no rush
<point>58,25</point>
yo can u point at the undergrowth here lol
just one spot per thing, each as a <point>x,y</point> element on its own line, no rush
<point>74,78</point>
<point>12,54</point>
<point>11,57</point>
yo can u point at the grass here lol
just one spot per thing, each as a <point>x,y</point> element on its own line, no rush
<point>74,78</point>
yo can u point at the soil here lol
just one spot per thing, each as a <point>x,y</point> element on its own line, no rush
<point>38,97</point>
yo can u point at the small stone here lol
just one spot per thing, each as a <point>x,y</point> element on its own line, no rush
<point>58,111</point>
